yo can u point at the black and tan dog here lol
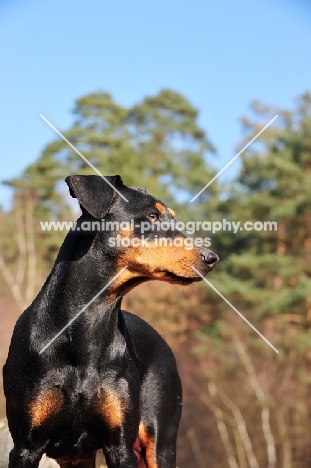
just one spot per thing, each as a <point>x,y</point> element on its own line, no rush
<point>108,381</point>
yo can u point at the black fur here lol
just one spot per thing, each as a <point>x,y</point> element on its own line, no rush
<point>55,398</point>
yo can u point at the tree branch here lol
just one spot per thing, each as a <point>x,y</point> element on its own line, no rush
<point>241,426</point>
<point>222,428</point>
<point>195,447</point>
<point>12,284</point>
<point>265,415</point>
<point>32,264</point>
<point>22,247</point>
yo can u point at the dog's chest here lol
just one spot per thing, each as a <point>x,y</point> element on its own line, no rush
<point>75,415</point>
<point>75,396</point>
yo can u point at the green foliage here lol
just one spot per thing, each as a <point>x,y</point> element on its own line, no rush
<point>268,272</point>
<point>155,144</point>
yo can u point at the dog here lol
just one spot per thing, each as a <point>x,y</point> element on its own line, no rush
<point>83,375</point>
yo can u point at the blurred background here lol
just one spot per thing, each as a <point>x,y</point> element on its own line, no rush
<point>165,94</point>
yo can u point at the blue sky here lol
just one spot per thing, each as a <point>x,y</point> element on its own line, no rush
<point>219,54</point>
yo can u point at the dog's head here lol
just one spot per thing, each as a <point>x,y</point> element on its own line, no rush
<point>139,232</point>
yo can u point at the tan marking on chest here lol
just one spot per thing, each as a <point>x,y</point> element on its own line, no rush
<point>147,441</point>
<point>45,405</point>
<point>111,407</point>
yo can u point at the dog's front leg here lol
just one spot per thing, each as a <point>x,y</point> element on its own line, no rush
<point>24,458</point>
<point>119,451</point>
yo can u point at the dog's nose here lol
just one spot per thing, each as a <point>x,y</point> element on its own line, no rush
<point>209,257</point>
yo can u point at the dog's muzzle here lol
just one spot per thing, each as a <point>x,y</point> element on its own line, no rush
<point>209,258</point>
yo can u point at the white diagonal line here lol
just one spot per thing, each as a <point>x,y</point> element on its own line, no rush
<point>81,155</point>
<point>236,310</point>
<point>82,310</point>
<point>234,158</point>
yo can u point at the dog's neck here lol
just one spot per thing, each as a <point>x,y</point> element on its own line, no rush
<point>80,273</point>
<point>76,285</point>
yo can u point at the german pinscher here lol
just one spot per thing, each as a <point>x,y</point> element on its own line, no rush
<point>108,381</point>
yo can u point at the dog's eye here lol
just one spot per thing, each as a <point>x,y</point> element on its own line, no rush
<point>153,216</point>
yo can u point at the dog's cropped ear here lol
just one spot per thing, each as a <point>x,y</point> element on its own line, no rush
<point>94,194</point>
